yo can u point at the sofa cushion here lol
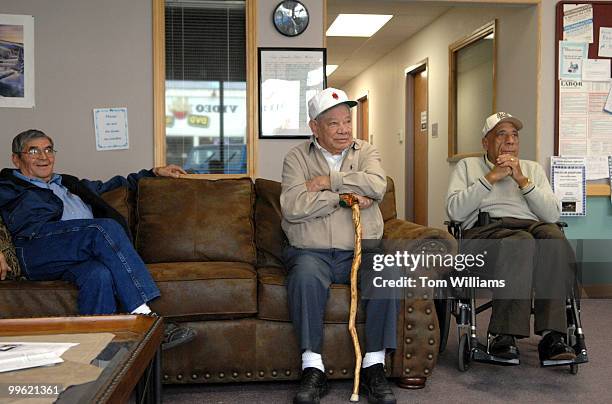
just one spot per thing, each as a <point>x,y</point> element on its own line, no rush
<point>123,201</point>
<point>204,290</point>
<point>183,220</point>
<point>272,296</point>
<point>8,250</point>
<point>268,231</point>
<point>37,299</point>
<point>387,206</point>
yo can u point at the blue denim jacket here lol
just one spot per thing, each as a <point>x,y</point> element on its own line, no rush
<point>25,208</point>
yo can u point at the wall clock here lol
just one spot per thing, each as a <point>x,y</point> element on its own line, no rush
<point>290,17</point>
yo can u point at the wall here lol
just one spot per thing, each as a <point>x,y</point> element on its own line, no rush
<point>270,152</point>
<point>516,89</point>
<point>88,54</point>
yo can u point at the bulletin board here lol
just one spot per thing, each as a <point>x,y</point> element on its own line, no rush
<point>581,114</point>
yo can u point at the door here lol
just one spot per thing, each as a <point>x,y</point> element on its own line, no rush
<point>363,131</point>
<point>417,124</point>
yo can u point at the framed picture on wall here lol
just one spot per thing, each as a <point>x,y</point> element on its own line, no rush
<point>16,61</point>
<point>288,78</point>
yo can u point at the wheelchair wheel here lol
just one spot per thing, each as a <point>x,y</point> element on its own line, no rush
<point>574,369</point>
<point>464,357</point>
<point>443,310</point>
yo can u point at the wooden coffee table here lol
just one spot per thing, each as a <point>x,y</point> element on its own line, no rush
<point>131,361</point>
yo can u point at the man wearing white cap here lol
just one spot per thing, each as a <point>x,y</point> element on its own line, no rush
<point>498,196</point>
<point>321,238</point>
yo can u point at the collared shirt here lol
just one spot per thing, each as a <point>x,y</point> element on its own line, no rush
<point>334,161</point>
<point>74,207</point>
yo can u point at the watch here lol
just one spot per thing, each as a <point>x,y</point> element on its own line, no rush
<point>290,17</point>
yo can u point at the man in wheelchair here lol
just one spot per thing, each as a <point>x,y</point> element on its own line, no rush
<point>516,206</point>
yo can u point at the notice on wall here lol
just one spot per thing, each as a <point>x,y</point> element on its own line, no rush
<point>578,22</point>
<point>571,55</point>
<point>111,128</point>
<point>596,70</point>
<point>569,185</point>
<point>605,42</point>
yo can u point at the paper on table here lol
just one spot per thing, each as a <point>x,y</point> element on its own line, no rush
<point>15,355</point>
<point>605,42</point>
<point>596,70</point>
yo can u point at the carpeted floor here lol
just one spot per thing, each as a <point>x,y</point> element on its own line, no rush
<point>482,383</point>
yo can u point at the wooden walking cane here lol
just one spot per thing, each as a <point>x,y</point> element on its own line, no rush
<point>347,200</point>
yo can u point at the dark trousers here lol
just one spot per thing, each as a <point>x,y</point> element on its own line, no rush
<point>311,272</point>
<point>94,254</point>
<point>542,268</point>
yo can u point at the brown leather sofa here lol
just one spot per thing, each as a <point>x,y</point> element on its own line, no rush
<point>214,249</point>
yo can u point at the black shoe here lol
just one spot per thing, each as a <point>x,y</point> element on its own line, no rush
<point>175,335</point>
<point>554,348</point>
<point>375,384</point>
<point>312,387</point>
<point>504,346</point>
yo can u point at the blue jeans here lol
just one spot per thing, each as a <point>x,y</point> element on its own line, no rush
<point>94,254</point>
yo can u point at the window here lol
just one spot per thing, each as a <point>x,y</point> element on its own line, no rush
<point>201,87</point>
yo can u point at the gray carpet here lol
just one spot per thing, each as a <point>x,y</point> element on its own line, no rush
<point>482,383</point>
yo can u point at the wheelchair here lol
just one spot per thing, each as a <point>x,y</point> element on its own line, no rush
<point>465,309</point>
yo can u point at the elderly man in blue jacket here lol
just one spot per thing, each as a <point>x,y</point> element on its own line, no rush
<point>63,229</point>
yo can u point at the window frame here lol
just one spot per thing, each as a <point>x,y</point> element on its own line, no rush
<point>159,90</point>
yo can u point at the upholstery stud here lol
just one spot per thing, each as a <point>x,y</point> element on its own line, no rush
<point>274,373</point>
<point>409,326</point>
<point>235,374</point>
<point>166,377</point>
<point>431,327</point>
<point>410,309</point>
<point>426,371</point>
<point>344,371</point>
<point>425,296</point>
<point>409,340</point>
<point>407,370</point>
<point>431,341</point>
<point>409,294</point>
<point>430,356</point>
<point>428,311</point>
<point>408,355</point>
<point>249,374</point>
<point>221,375</point>
<point>194,376</point>
<point>261,373</point>
<point>287,373</point>
<point>207,376</point>
<point>179,377</point>
<point>330,371</point>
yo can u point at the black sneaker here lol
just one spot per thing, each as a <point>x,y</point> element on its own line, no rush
<point>375,384</point>
<point>312,387</point>
<point>504,346</point>
<point>175,335</point>
<point>554,348</point>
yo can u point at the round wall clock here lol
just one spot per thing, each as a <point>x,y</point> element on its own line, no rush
<point>290,18</point>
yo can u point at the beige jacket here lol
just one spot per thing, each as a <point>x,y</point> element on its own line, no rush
<point>315,219</point>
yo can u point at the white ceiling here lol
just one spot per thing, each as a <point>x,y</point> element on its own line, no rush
<point>354,55</point>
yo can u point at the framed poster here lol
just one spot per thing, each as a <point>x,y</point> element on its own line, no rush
<point>16,61</point>
<point>288,78</point>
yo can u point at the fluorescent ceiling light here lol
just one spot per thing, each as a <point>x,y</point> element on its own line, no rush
<point>329,69</point>
<point>362,25</point>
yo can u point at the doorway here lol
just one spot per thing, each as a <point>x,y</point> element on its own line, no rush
<point>417,130</point>
<point>363,131</point>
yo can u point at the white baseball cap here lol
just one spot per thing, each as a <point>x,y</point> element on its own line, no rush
<point>498,118</point>
<point>326,99</point>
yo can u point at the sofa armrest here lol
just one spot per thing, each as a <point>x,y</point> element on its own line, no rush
<point>418,326</point>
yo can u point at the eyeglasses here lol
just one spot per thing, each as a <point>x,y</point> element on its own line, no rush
<point>35,152</point>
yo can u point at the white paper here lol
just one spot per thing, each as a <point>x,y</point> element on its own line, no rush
<point>608,104</point>
<point>569,185</point>
<point>578,22</point>
<point>596,167</point>
<point>596,70</point>
<point>571,55</point>
<point>605,42</point>
<point>23,355</point>
<point>610,174</point>
<point>111,127</point>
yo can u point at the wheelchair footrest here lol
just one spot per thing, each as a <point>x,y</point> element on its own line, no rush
<point>479,354</point>
<point>580,358</point>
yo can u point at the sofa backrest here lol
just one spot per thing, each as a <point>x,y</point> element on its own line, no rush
<point>268,231</point>
<point>181,220</point>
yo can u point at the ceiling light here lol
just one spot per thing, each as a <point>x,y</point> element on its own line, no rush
<point>362,25</point>
<point>329,69</point>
